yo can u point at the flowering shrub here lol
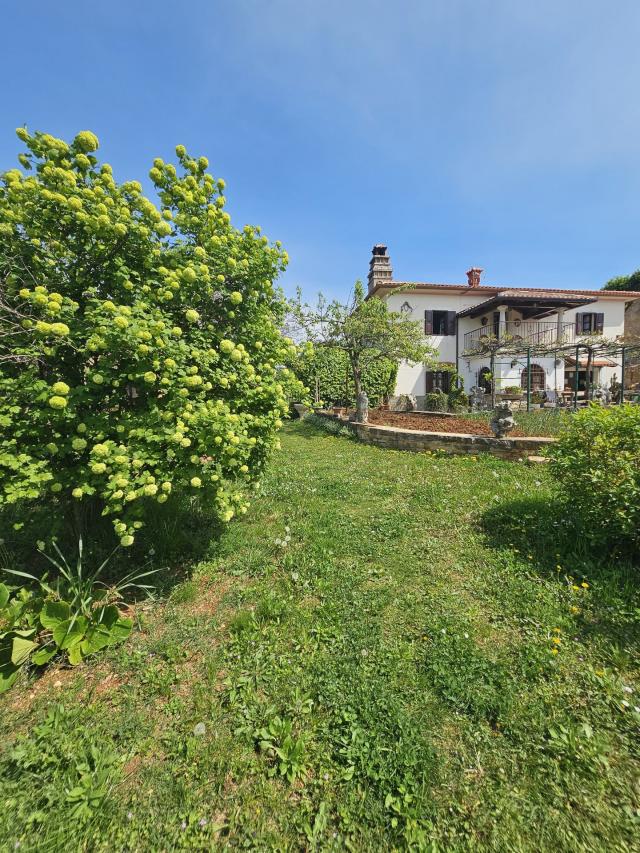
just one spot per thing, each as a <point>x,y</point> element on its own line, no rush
<point>596,460</point>
<point>139,345</point>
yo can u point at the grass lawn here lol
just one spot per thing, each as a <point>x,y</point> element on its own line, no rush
<point>390,651</point>
<point>537,422</point>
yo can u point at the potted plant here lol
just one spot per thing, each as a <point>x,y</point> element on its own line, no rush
<point>511,392</point>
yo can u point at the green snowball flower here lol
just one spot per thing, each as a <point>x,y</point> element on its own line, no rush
<point>97,378</point>
<point>59,329</point>
<point>127,540</point>
<point>57,402</point>
<point>78,444</point>
<point>77,493</point>
<point>235,297</point>
<point>196,482</point>
<point>150,377</point>
<point>86,141</point>
<point>60,388</point>
<point>191,315</point>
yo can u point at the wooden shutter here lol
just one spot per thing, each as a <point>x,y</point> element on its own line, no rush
<point>451,323</point>
<point>578,324</point>
<point>428,322</point>
<point>598,326</point>
<point>429,381</point>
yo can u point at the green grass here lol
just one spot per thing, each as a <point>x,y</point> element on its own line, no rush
<point>537,422</point>
<point>364,662</point>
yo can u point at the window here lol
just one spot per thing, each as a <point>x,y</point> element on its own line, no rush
<point>438,380</point>
<point>537,378</point>
<point>439,322</point>
<point>589,323</point>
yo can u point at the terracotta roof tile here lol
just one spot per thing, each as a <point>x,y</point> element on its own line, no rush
<point>483,288</point>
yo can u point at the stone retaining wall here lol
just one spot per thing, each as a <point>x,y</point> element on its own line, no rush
<point>451,442</point>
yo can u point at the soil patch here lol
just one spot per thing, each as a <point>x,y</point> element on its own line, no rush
<point>427,423</point>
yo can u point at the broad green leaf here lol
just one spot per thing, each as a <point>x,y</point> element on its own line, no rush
<point>120,631</point>
<point>21,650</point>
<point>69,633</point>
<point>4,596</point>
<point>8,675</point>
<point>43,656</point>
<point>97,637</point>
<point>53,613</point>
<point>75,654</point>
<point>107,616</point>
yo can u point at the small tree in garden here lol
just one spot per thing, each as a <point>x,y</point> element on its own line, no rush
<point>365,329</point>
<point>139,345</point>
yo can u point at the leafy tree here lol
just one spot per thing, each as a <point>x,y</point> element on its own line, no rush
<point>327,374</point>
<point>139,346</point>
<point>365,329</point>
<point>624,282</point>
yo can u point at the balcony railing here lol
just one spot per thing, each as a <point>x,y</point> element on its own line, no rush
<point>520,332</point>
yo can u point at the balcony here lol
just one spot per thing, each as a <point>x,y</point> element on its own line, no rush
<point>520,334</point>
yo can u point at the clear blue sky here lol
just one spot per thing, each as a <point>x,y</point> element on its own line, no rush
<point>501,133</point>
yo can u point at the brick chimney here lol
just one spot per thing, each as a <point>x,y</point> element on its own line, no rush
<point>473,276</point>
<point>380,271</point>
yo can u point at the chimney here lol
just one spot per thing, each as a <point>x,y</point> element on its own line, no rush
<point>473,276</point>
<point>380,271</point>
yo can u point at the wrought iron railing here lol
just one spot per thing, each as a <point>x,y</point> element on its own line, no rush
<point>525,332</point>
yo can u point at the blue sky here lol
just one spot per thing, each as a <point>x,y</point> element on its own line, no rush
<point>496,133</point>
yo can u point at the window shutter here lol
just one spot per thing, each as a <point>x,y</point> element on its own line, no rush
<point>429,381</point>
<point>578,324</point>
<point>451,322</point>
<point>599,323</point>
<point>428,322</point>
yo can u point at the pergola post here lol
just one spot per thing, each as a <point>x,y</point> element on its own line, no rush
<point>624,352</point>
<point>528,379</point>
<point>575,379</point>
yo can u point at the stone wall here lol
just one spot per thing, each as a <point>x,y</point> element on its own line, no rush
<point>459,443</point>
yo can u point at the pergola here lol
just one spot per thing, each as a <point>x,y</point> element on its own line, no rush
<point>625,354</point>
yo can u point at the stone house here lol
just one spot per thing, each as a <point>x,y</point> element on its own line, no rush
<point>459,317</point>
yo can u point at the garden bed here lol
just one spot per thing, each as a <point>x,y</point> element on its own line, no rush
<point>433,422</point>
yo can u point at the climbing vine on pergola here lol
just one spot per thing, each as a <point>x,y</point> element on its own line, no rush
<point>594,346</point>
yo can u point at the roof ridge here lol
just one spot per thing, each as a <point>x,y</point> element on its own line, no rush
<point>483,288</point>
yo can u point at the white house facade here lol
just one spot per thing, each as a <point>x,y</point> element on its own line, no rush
<point>457,318</point>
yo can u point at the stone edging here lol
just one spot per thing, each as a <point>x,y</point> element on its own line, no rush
<point>451,442</point>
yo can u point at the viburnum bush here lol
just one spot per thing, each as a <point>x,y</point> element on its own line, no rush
<point>140,351</point>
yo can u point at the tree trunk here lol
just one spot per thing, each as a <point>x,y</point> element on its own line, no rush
<point>587,379</point>
<point>362,403</point>
<point>492,367</point>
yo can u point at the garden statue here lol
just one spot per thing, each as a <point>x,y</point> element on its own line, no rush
<point>476,398</point>
<point>405,403</point>
<point>600,394</point>
<point>502,421</point>
<point>362,408</point>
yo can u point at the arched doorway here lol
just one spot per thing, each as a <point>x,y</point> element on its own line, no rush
<point>537,378</point>
<point>484,379</point>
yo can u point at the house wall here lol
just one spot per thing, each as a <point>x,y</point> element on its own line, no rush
<point>412,378</point>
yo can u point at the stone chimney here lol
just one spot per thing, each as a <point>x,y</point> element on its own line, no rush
<point>380,271</point>
<point>473,276</point>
